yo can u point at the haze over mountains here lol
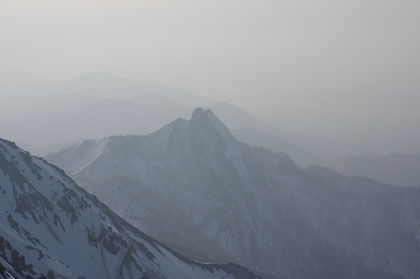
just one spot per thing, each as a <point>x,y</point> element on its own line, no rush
<point>215,139</point>
<point>125,107</point>
<point>51,228</point>
<point>395,169</point>
<point>96,105</point>
<point>196,188</point>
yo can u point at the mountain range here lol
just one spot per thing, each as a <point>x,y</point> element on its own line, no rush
<point>196,188</point>
<point>52,228</point>
<point>395,169</point>
<point>34,105</point>
<point>98,105</point>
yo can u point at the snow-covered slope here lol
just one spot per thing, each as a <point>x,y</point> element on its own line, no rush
<point>51,228</point>
<point>193,186</point>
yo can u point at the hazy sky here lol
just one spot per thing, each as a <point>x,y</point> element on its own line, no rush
<point>306,64</point>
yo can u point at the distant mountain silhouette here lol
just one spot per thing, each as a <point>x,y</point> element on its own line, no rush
<point>395,169</point>
<point>98,105</point>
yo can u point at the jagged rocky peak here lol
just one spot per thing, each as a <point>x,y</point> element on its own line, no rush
<point>205,118</point>
<point>202,131</point>
<point>207,128</point>
<point>202,115</point>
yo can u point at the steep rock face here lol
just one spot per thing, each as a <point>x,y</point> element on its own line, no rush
<point>193,186</point>
<point>51,228</point>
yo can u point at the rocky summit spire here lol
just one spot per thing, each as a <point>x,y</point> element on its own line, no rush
<point>205,117</point>
<point>206,122</point>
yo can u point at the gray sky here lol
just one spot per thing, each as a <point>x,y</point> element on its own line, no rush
<point>331,67</point>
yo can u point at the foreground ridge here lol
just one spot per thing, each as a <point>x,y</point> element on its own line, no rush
<point>51,228</point>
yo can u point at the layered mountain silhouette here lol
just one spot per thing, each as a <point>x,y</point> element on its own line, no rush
<point>193,186</point>
<point>395,169</point>
<point>98,105</point>
<point>51,228</point>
